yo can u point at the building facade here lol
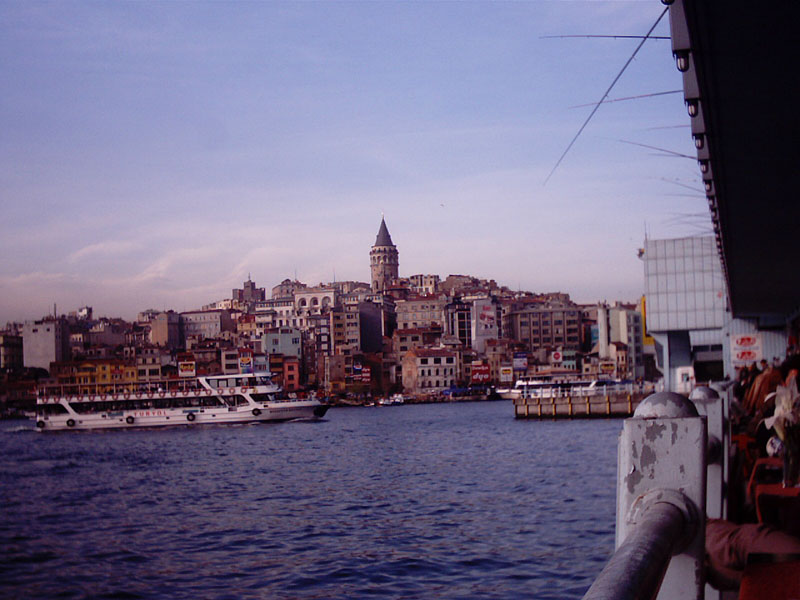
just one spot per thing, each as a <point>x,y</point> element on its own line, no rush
<point>44,342</point>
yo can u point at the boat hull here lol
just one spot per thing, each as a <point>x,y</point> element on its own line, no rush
<point>172,417</point>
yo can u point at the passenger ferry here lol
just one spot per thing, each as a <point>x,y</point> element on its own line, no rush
<point>532,387</point>
<point>188,401</point>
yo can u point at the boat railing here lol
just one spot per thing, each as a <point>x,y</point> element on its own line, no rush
<point>662,491</point>
<point>583,390</point>
<point>51,390</point>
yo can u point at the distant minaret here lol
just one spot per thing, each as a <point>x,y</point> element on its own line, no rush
<point>384,260</point>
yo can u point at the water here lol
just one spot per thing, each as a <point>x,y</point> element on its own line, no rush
<point>428,501</point>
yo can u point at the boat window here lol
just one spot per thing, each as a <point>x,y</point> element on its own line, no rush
<point>51,409</point>
<point>213,383</point>
<point>83,408</point>
<point>262,397</point>
<point>236,400</point>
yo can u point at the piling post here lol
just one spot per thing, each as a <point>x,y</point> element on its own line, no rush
<point>662,459</point>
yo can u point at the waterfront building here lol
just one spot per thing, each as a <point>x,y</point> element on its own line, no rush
<point>404,340</point>
<point>11,357</point>
<point>287,341</point>
<point>107,333</point>
<point>45,342</point>
<point>229,360</point>
<point>165,330</point>
<point>484,321</point>
<point>686,304</point>
<point>423,284</point>
<point>204,324</point>
<point>384,260</point>
<point>247,327</point>
<point>149,361</point>
<point>315,301</point>
<point>246,297</point>
<point>317,344</point>
<point>458,321</point>
<point>276,312</point>
<point>420,311</point>
<point>287,289</point>
<point>88,374</point>
<point>146,316</point>
<point>543,328</point>
<point>621,325</point>
<point>356,326</point>
<point>430,370</point>
<point>687,314</point>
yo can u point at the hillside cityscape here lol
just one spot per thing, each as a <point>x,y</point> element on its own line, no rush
<point>419,335</point>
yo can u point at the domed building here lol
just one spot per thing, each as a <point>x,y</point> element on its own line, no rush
<point>384,260</point>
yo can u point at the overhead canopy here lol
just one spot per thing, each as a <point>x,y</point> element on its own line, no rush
<point>742,61</point>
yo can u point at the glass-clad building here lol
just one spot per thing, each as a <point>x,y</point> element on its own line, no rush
<point>684,284</point>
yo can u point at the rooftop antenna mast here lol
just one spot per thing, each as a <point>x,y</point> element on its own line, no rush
<point>607,92</point>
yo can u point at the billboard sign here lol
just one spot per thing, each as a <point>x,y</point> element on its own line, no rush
<point>520,361</point>
<point>746,349</point>
<point>481,373</point>
<point>364,374</point>
<point>484,323</point>
<point>245,363</point>
<point>506,374</point>
<point>186,368</point>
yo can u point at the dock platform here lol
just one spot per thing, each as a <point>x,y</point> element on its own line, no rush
<point>578,407</point>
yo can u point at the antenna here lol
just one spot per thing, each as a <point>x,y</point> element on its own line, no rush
<point>616,37</point>
<point>672,152</point>
<point>613,83</point>
<point>630,98</point>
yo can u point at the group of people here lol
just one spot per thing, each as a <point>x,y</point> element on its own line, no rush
<point>728,544</point>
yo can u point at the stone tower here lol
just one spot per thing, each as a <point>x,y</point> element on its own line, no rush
<point>383,259</point>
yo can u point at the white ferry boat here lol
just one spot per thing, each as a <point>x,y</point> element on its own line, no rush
<point>187,401</point>
<point>532,387</point>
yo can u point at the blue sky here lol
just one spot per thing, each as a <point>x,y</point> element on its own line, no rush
<point>155,153</point>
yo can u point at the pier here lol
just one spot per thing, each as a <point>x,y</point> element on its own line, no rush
<point>578,406</point>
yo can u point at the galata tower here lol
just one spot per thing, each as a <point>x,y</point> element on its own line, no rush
<point>383,259</point>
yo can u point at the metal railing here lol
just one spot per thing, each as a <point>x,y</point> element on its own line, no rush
<point>637,568</point>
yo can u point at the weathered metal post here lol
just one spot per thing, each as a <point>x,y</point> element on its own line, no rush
<point>709,404</point>
<point>660,505</point>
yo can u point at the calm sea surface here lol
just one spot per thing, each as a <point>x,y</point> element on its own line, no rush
<point>425,501</point>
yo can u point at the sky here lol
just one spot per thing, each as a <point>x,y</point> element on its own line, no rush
<point>156,154</point>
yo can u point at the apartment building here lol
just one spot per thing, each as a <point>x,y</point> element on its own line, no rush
<point>429,370</point>
<point>543,328</point>
<point>420,311</point>
<point>44,342</point>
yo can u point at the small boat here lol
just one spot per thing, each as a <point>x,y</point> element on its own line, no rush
<point>244,398</point>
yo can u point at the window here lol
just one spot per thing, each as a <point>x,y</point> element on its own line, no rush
<point>423,361</point>
<point>437,361</point>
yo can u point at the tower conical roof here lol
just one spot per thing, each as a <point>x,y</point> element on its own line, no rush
<point>383,239</point>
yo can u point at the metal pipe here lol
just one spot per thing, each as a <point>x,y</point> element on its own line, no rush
<point>638,566</point>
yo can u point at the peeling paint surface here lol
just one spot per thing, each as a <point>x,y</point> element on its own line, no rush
<point>654,431</point>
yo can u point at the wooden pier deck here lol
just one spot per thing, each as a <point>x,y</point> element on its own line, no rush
<point>578,407</point>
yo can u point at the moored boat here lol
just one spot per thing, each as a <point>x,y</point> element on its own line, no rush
<point>229,399</point>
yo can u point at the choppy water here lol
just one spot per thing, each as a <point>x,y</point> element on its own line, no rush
<point>431,501</point>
